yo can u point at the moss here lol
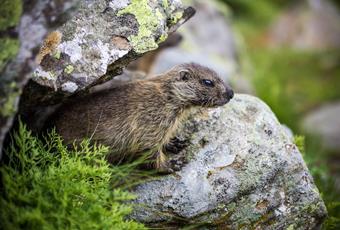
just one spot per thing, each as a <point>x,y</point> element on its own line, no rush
<point>148,20</point>
<point>9,48</point>
<point>69,69</point>
<point>9,106</point>
<point>291,227</point>
<point>165,4</point>
<point>162,38</point>
<point>47,186</point>
<point>57,54</point>
<point>175,18</point>
<point>10,12</point>
<point>299,141</point>
<point>293,82</point>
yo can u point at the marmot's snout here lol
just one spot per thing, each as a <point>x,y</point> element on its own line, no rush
<point>229,94</point>
<point>226,97</point>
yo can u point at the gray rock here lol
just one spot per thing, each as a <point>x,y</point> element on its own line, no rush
<point>309,24</point>
<point>324,122</point>
<point>243,172</point>
<point>38,18</point>
<point>102,38</point>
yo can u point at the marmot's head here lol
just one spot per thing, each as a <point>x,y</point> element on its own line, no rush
<point>198,85</point>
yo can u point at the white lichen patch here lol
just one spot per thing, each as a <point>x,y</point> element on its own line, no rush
<point>282,209</point>
<point>72,49</point>
<point>108,55</point>
<point>114,4</point>
<point>40,73</point>
<point>69,87</point>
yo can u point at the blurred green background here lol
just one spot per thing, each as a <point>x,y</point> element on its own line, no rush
<point>296,70</point>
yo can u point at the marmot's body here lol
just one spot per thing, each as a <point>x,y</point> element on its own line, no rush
<point>142,115</point>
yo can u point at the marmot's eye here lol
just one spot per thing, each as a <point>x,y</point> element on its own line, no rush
<point>184,75</point>
<point>208,83</point>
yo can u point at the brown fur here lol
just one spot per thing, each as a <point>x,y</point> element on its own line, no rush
<point>141,115</point>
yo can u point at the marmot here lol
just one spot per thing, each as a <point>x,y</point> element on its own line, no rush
<point>142,115</point>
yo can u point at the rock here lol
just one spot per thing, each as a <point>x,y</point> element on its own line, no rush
<point>207,39</point>
<point>38,18</point>
<point>309,24</point>
<point>100,40</point>
<point>324,122</point>
<point>243,172</point>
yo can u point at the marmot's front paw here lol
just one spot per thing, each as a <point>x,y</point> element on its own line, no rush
<point>162,163</point>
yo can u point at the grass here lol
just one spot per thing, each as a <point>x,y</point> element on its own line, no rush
<point>46,186</point>
<point>10,13</point>
<point>294,82</point>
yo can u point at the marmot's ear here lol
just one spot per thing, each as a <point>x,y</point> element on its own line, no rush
<point>184,75</point>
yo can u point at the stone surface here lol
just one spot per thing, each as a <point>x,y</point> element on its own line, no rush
<point>243,172</point>
<point>38,18</point>
<point>324,122</point>
<point>101,39</point>
<point>309,24</point>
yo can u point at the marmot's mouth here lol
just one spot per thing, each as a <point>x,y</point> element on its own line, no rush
<point>212,103</point>
<point>222,102</point>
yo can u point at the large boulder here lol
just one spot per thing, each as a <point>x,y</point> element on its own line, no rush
<point>243,172</point>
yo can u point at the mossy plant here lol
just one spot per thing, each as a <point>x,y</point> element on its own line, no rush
<point>46,186</point>
<point>148,20</point>
<point>9,48</point>
<point>9,103</point>
<point>10,12</point>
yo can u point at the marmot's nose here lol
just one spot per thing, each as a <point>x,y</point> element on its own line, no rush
<point>229,94</point>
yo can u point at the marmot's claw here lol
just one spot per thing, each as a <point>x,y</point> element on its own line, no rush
<point>162,164</point>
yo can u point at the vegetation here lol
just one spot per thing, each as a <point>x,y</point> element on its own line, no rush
<point>292,82</point>
<point>46,186</point>
<point>10,13</point>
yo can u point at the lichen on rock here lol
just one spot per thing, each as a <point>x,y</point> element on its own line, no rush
<point>127,30</point>
<point>149,20</point>
<point>243,171</point>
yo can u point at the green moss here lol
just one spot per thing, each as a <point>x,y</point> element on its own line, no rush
<point>148,20</point>
<point>165,4</point>
<point>175,18</point>
<point>57,54</point>
<point>8,49</point>
<point>299,141</point>
<point>293,82</point>
<point>69,69</point>
<point>291,227</point>
<point>162,38</point>
<point>10,12</point>
<point>47,186</point>
<point>8,106</point>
